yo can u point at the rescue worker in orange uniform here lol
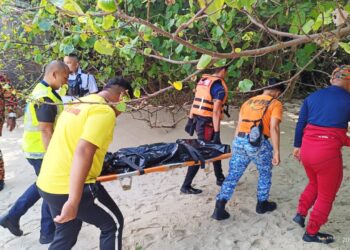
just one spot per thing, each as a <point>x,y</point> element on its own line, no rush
<point>205,117</point>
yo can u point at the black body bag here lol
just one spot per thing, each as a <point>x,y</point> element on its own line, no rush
<point>152,155</point>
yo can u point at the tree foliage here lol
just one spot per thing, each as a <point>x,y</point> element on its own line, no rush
<point>159,44</point>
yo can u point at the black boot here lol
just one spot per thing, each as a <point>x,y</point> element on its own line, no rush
<point>220,213</point>
<point>220,180</point>
<point>12,226</point>
<point>265,206</point>
<point>190,190</point>
<point>299,219</point>
<point>319,238</point>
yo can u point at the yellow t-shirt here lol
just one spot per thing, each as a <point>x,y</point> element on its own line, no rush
<point>91,122</point>
<point>253,109</point>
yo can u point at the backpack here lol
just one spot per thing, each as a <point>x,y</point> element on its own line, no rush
<point>256,131</point>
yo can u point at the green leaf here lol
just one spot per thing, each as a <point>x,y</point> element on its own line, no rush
<point>50,8</point>
<point>145,32</point>
<point>45,25</point>
<point>223,42</point>
<point>304,55</point>
<point>323,19</point>
<point>84,37</point>
<point>6,45</point>
<point>93,26</point>
<point>345,46</point>
<point>147,51</point>
<point>38,58</point>
<point>107,5</point>
<point>204,61</point>
<point>248,36</point>
<point>308,26</point>
<point>121,107</point>
<point>104,47</point>
<point>72,6</point>
<point>66,48</point>
<point>107,22</point>
<point>220,63</point>
<point>297,22</point>
<point>179,49</point>
<point>137,92</point>
<point>213,11</point>
<point>245,85</point>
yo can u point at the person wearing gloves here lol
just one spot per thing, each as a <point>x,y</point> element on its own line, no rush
<point>319,136</point>
<point>205,117</point>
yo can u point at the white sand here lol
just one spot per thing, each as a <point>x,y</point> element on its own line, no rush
<point>157,216</point>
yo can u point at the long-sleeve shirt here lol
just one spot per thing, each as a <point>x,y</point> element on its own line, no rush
<point>329,107</point>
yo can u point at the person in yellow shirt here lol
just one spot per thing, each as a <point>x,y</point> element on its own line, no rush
<point>73,161</point>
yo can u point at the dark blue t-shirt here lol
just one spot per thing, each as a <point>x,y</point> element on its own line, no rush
<point>217,91</point>
<point>329,107</point>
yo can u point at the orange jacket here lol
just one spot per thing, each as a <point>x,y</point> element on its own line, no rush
<point>203,104</point>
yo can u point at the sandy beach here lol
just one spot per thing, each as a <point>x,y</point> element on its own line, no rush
<point>158,216</point>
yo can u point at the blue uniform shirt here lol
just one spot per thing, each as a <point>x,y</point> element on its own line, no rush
<point>217,91</point>
<point>329,107</point>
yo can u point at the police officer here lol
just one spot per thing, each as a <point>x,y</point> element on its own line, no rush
<point>79,83</point>
<point>40,116</point>
<point>205,117</point>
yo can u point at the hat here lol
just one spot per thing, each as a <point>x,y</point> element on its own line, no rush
<point>342,72</point>
<point>274,83</point>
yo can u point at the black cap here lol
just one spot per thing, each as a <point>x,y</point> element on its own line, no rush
<point>274,83</point>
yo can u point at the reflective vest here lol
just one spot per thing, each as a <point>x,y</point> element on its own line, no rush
<point>203,104</point>
<point>33,146</point>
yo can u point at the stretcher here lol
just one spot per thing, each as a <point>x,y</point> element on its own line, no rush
<point>161,168</point>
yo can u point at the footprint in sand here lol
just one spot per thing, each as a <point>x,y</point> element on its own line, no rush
<point>177,233</point>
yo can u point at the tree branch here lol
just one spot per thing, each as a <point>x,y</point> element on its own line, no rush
<point>269,30</point>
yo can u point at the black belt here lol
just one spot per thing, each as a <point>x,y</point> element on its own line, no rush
<point>244,134</point>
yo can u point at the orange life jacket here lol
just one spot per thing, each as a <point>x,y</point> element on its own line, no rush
<point>203,104</point>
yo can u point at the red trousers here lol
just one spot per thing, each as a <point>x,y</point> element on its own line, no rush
<point>322,160</point>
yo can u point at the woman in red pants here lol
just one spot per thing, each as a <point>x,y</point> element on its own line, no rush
<point>319,136</point>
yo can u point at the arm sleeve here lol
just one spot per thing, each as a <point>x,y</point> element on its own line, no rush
<point>301,124</point>
<point>99,126</point>
<point>92,84</point>
<point>46,112</point>
<point>217,91</point>
<point>277,110</point>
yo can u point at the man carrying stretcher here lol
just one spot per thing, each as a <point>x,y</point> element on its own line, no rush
<point>206,114</point>
<point>73,161</point>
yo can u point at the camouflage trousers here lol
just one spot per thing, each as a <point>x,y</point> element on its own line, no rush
<point>242,154</point>
<point>2,169</point>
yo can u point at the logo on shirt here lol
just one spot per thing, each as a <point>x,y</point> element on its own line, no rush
<point>73,110</point>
